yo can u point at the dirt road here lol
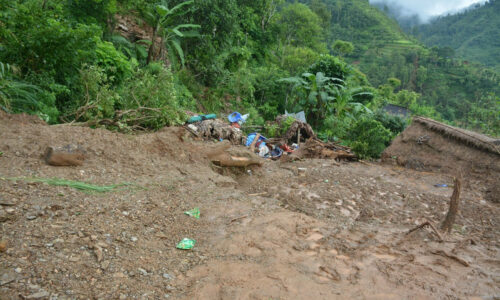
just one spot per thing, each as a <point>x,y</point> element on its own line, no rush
<point>275,232</point>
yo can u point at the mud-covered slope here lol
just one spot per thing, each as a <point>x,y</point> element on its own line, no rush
<point>326,231</point>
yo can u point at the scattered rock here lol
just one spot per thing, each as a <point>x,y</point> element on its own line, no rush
<point>4,202</point>
<point>119,275</point>
<point>74,259</point>
<point>134,239</point>
<point>3,216</point>
<point>105,264</point>
<point>40,295</point>
<point>30,217</point>
<point>18,270</point>
<point>345,212</point>
<point>3,246</point>
<point>98,253</point>
<point>7,277</point>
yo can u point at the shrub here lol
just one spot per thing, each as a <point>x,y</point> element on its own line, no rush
<point>150,100</point>
<point>17,96</point>
<point>368,137</point>
<point>334,128</point>
<point>330,66</point>
<point>395,124</point>
<point>114,63</point>
<point>97,100</point>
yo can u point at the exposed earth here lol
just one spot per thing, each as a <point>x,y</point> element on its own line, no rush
<point>313,229</point>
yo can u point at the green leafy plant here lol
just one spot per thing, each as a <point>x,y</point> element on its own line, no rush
<point>314,94</point>
<point>163,19</point>
<point>368,137</point>
<point>150,100</point>
<point>15,95</point>
<point>114,63</point>
<point>97,100</point>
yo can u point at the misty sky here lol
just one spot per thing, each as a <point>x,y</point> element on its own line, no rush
<point>429,8</point>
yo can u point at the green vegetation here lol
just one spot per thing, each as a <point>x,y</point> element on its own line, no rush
<point>473,34</point>
<point>82,186</point>
<point>447,88</point>
<point>340,61</point>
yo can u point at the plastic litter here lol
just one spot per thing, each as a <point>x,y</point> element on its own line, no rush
<point>301,116</point>
<point>286,148</point>
<point>195,212</point>
<point>277,152</point>
<point>201,118</point>
<point>193,128</point>
<point>186,244</point>
<point>250,138</point>
<point>441,185</point>
<point>263,150</point>
<point>234,117</point>
<point>243,119</point>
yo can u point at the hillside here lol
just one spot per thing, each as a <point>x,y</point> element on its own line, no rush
<point>142,65</point>
<point>459,91</point>
<point>474,34</point>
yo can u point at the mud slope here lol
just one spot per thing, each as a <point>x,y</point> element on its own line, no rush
<point>331,232</point>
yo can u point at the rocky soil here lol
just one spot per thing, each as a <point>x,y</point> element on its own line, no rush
<point>313,229</point>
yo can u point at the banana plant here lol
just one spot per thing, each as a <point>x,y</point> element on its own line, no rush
<point>315,94</point>
<point>163,20</point>
<point>345,102</point>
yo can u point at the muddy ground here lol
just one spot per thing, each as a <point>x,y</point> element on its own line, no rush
<point>312,229</point>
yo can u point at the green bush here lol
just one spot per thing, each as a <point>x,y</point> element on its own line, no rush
<point>330,66</point>
<point>47,109</point>
<point>269,93</point>
<point>151,100</point>
<point>334,128</point>
<point>271,130</point>
<point>368,137</point>
<point>395,124</point>
<point>97,100</point>
<point>114,63</point>
<point>15,95</point>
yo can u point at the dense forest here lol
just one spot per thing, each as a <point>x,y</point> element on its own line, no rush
<point>144,64</point>
<point>473,33</point>
<point>462,93</point>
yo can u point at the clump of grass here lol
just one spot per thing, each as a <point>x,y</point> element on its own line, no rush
<point>82,186</point>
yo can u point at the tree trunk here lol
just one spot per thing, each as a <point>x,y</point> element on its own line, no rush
<point>152,47</point>
<point>453,210</point>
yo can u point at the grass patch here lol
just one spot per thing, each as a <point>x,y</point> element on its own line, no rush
<point>82,186</point>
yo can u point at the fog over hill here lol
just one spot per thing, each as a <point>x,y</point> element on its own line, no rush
<point>422,11</point>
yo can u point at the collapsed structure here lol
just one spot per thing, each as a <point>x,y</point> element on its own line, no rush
<point>433,146</point>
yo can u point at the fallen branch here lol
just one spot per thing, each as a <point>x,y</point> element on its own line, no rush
<point>427,223</point>
<point>257,194</point>
<point>254,142</point>
<point>456,258</point>
<point>238,218</point>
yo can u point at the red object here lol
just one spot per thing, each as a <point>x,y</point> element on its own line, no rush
<point>236,125</point>
<point>286,148</point>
